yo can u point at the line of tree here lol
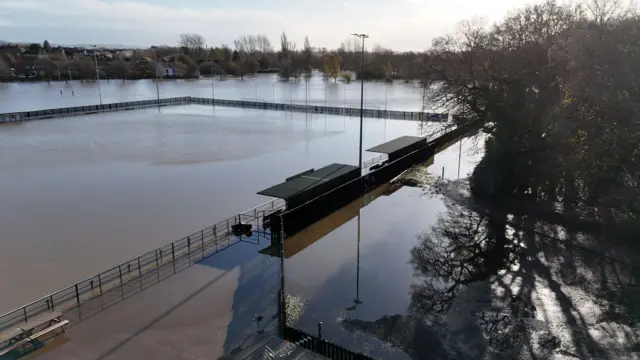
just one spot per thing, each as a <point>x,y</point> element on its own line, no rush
<point>255,53</point>
<point>249,54</point>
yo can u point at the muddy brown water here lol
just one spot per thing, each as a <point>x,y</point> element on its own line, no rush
<point>83,194</point>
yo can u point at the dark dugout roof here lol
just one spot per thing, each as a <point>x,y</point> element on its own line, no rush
<point>396,144</point>
<point>306,181</point>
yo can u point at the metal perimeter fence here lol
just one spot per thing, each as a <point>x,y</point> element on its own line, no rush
<point>91,109</point>
<point>92,295</point>
<point>187,100</point>
<point>319,346</point>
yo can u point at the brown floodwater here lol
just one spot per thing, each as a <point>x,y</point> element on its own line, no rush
<point>80,195</point>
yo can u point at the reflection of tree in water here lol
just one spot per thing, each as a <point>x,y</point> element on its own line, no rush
<point>461,248</point>
<point>493,285</point>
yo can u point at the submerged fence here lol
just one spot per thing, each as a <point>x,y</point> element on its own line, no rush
<point>90,109</point>
<point>320,346</point>
<point>319,109</point>
<point>96,293</point>
<point>315,109</point>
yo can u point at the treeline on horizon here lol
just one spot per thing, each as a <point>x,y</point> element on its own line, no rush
<point>255,53</point>
<point>249,54</point>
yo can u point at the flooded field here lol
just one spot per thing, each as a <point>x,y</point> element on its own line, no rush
<point>267,87</point>
<point>83,194</point>
<point>361,268</point>
<point>431,272</point>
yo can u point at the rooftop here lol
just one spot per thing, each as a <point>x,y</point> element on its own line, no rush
<point>396,144</point>
<point>307,181</point>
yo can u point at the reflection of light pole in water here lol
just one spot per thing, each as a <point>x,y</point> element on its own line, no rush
<point>213,89</point>
<point>255,86</point>
<point>357,301</point>
<point>459,158</point>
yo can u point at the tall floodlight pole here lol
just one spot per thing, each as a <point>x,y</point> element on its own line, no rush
<point>155,60</point>
<point>95,57</point>
<point>361,36</point>
<point>213,89</point>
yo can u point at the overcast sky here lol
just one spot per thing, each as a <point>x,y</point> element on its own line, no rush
<point>397,24</point>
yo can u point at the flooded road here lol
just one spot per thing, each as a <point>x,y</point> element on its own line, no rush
<point>264,87</point>
<point>82,194</point>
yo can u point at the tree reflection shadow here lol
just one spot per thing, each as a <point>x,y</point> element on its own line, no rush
<point>498,285</point>
<point>462,247</point>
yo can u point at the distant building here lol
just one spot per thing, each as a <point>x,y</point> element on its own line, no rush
<point>170,69</point>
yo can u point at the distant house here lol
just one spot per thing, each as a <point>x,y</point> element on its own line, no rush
<point>170,69</point>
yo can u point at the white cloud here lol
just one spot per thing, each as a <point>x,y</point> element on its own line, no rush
<point>399,24</point>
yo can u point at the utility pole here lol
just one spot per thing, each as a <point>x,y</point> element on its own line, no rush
<point>213,90</point>
<point>362,36</point>
<point>155,60</point>
<point>95,57</point>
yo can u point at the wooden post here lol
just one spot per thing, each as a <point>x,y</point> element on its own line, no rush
<point>189,249</point>
<point>100,284</point>
<point>24,310</point>
<point>139,268</point>
<point>77,295</point>
<point>202,243</point>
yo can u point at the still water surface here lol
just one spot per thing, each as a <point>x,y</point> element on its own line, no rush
<point>365,261</point>
<point>377,95</point>
<point>82,194</point>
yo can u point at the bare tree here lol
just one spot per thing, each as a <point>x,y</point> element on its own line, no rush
<point>264,45</point>
<point>603,11</point>
<point>238,45</point>
<point>192,42</point>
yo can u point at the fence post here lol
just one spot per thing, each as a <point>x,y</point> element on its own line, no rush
<point>202,243</point>
<point>139,267</point>
<point>121,283</point>
<point>24,310</point>
<point>77,295</point>
<point>189,248</point>
<point>227,227</point>
<point>100,284</point>
<point>173,257</point>
<point>157,266</point>
<point>320,330</point>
